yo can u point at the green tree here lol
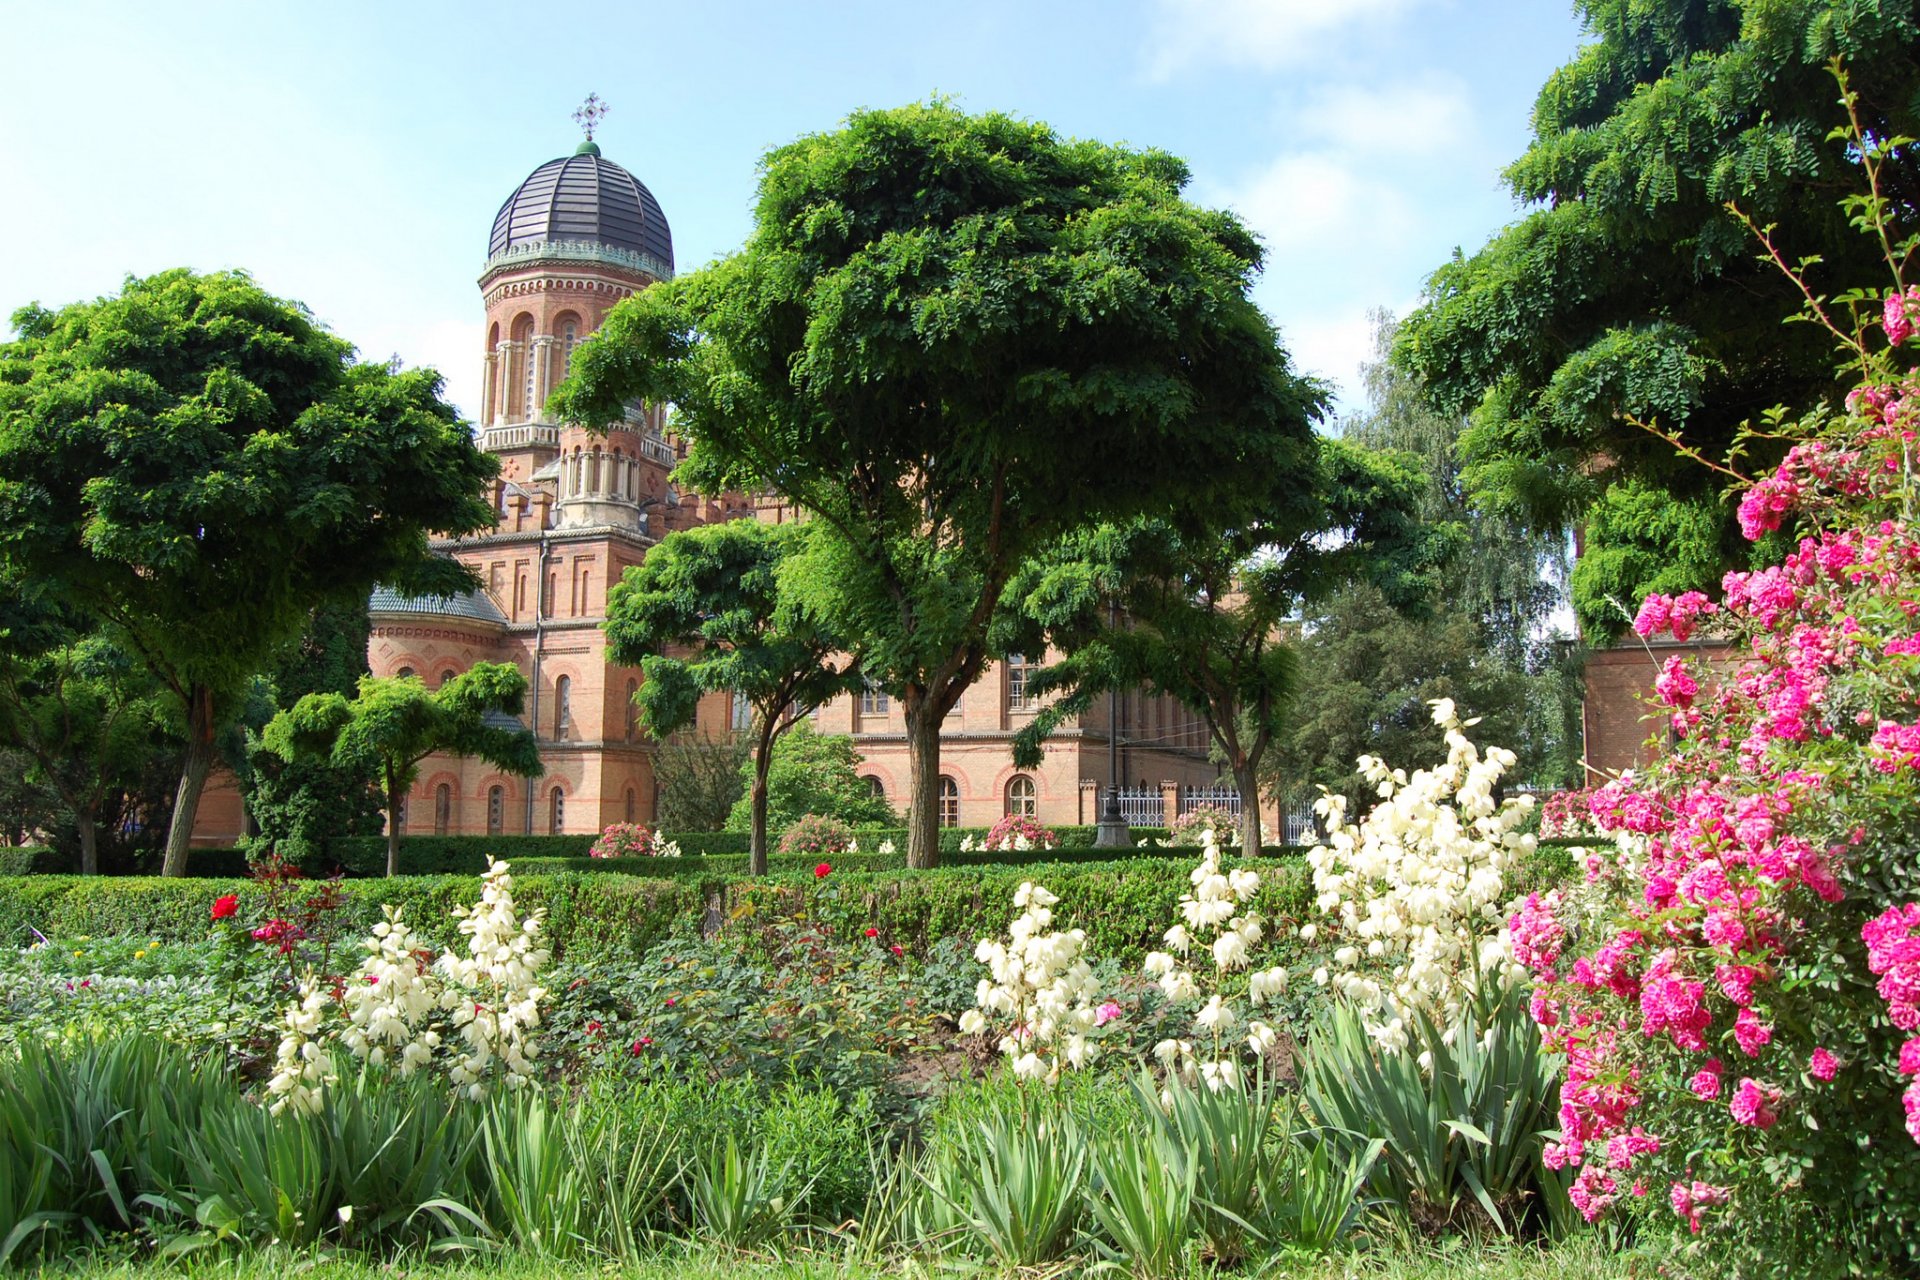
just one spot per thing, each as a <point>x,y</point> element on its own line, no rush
<point>300,807</point>
<point>395,723</point>
<point>818,773</point>
<point>1366,671</point>
<point>197,465</point>
<point>1630,290</point>
<point>1207,619</point>
<point>950,340</point>
<point>715,593</point>
<point>88,717</point>
<point>27,806</point>
<point>700,778</point>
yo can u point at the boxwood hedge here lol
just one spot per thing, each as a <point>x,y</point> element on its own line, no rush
<point>1124,905</point>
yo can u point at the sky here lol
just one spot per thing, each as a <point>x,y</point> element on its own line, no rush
<point>352,155</point>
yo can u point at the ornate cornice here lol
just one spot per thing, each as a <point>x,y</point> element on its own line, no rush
<point>631,261</point>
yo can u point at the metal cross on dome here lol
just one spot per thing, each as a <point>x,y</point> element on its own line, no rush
<point>590,114</point>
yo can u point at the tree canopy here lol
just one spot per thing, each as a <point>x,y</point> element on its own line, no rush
<point>813,772</point>
<point>1629,288</point>
<point>714,594</point>
<point>950,340</point>
<point>197,464</point>
<point>394,723</point>
<point>1210,619</point>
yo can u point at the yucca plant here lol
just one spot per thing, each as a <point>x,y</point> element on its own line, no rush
<point>736,1196</point>
<point>1311,1194</point>
<point>535,1195</point>
<point>1227,1131</point>
<point>252,1175</point>
<point>1016,1180</point>
<point>628,1171</point>
<point>1144,1202</point>
<point>1464,1131</point>
<point>403,1160</point>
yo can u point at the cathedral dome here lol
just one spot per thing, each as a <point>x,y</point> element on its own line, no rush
<point>583,202</point>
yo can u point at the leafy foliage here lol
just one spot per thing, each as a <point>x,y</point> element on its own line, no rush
<point>950,339</point>
<point>700,780</point>
<point>1629,289</point>
<point>717,590</point>
<point>396,722</point>
<point>197,464</point>
<point>814,773</point>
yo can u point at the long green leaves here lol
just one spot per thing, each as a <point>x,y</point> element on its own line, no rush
<point>1463,1131</point>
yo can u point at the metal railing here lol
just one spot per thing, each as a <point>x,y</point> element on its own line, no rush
<point>1142,806</point>
<point>1227,798</point>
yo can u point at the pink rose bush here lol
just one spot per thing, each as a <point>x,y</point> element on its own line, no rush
<point>1735,987</point>
<point>1015,832</point>
<point>632,840</point>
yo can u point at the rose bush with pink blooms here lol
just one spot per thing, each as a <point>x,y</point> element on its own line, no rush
<point>1736,986</point>
<point>1018,832</point>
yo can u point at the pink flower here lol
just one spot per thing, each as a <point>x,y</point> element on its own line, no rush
<point>1706,1082</point>
<point>1754,1104</point>
<point>1688,1201</point>
<point>1751,1034</point>
<point>1896,316</point>
<point>1106,1013</point>
<point>1674,684</point>
<point>1823,1065</point>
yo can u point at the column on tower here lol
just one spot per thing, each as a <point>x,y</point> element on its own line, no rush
<point>542,363</point>
<point>503,389</point>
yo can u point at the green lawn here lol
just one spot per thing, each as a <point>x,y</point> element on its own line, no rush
<point>1585,1259</point>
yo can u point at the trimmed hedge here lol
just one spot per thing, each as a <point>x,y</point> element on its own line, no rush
<point>779,863</point>
<point>1125,905</point>
<point>31,859</point>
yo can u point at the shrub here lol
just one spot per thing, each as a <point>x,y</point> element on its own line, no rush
<point>632,840</point>
<point>1713,983</point>
<point>815,836</point>
<point>1017,833</point>
<point>1189,827</point>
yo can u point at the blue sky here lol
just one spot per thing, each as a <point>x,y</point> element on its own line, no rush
<point>352,155</point>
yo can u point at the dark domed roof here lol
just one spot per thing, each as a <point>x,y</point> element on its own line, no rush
<point>583,199</point>
<point>468,606</point>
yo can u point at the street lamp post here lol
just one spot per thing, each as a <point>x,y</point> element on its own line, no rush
<point>1111,833</point>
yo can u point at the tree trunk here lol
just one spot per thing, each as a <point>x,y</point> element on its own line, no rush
<point>923,784</point>
<point>757,842</point>
<point>1249,784</point>
<point>393,826</point>
<point>193,779</point>
<point>89,843</point>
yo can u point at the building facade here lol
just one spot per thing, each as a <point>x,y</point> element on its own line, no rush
<point>575,509</point>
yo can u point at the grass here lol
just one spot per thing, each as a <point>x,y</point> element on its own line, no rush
<point>1585,1258</point>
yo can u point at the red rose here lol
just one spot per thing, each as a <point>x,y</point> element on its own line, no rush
<point>873,933</point>
<point>671,1002</point>
<point>225,906</point>
<point>897,949</point>
<point>822,871</point>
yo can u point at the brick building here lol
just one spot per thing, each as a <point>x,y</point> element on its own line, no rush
<point>575,509</point>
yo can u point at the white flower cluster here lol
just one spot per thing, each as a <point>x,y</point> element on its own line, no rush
<point>1042,984</point>
<point>493,996</point>
<point>1417,887</point>
<point>886,848</point>
<point>1213,921</point>
<point>390,997</point>
<point>301,1068</point>
<point>402,1006</point>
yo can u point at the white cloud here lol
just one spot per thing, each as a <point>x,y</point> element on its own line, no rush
<point>1332,345</point>
<point>1431,114</point>
<point>1320,203</point>
<point>1263,34</point>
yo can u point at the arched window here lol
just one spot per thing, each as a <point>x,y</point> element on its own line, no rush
<point>1023,798</point>
<point>632,802</point>
<point>873,701</point>
<point>445,676</point>
<point>875,788</point>
<point>568,336</point>
<point>563,707</point>
<point>404,673</point>
<point>556,811</point>
<point>949,802</point>
<point>741,716</point>
<point>496,810</point>
<point>633,710</point>
<point>442,809</point>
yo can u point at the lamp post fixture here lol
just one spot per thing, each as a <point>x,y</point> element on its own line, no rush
<point>1111,832</point>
